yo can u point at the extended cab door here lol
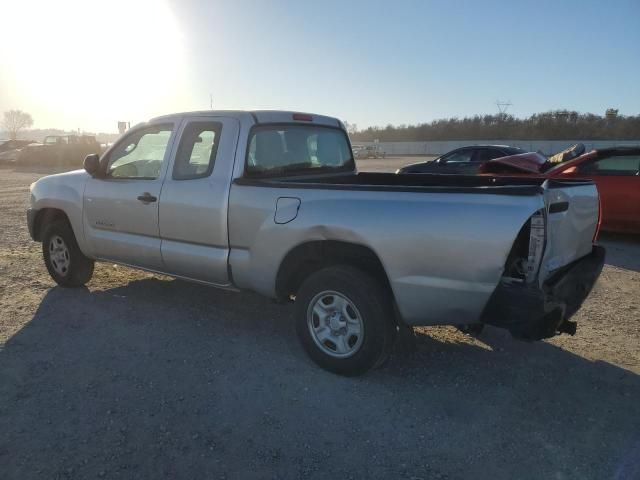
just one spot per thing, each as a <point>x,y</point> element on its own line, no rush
<point>194,199</point>
<point>120,213</point>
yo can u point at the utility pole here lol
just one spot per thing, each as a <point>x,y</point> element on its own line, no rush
<point>211,101</point>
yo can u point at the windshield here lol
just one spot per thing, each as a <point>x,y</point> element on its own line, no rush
<point>299,149</point>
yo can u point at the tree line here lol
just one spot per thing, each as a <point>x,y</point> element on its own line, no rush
<point>553,125</point>
<point>15,120</point>
<point>16,123</point>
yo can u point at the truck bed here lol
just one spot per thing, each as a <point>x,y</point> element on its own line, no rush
<point>441,238</point>
<point>417,182</point>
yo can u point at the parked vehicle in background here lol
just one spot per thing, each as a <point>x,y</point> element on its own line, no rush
<point>67,150</point>
<point>10,149</point>
<point>272,202</point>
<point>529,162</point>
<point>369,151</point>
<point>465,160</point>
<point>9,156</point>
<point>615,171</point>
<point>14,144</point>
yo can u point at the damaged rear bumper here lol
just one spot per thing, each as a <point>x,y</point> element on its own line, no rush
<point>534,313</point>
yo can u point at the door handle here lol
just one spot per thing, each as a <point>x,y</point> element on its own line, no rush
<point>146,197</point>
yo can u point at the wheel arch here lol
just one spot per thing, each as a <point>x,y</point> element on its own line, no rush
<point>46,216</point>
<point>309,257</point>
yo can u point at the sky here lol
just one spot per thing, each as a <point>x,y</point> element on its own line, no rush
<point>86,64</point>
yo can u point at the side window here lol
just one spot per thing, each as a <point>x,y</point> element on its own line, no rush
<point>486,154</point>
<point>622,165</point>
<point>196,154</point>
<point>140,154</point>
<point>460,156</point>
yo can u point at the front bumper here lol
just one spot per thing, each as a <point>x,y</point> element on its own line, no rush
<point>31,222</point>
<point>534,313</point>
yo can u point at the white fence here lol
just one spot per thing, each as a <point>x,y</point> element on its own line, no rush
<point>547,147</point>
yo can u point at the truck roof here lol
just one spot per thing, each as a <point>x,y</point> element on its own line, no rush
<point>259,116</point>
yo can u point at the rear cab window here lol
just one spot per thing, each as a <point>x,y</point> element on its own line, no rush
<point>280,150</point>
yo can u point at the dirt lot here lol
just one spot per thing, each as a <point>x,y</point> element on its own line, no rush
<point>141,376</point>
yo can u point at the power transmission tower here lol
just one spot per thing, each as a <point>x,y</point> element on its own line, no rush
<point>503,107</point>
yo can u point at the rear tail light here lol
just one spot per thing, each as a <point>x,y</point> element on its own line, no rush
<point>524,259</point>
<point>537,235</point>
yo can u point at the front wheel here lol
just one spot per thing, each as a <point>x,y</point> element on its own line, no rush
<point>66,264</point>
<point>344,319</point>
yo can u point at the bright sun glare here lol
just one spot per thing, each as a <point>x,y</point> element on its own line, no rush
<point>87,61</point>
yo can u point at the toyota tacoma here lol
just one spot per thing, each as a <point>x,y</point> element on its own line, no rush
<point>271,202</point>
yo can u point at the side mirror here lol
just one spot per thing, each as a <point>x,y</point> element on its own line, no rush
<point>92,164</point>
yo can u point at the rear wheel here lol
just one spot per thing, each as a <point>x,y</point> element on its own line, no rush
<point>344,319</point>
<point>66,264</point>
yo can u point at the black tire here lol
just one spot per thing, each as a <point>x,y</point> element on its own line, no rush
<point>78,269</point>
<point>373,303</point>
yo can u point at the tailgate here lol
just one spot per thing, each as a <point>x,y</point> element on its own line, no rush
<point>572,220</point>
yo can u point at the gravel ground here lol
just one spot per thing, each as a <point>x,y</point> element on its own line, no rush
<point>142,376</point>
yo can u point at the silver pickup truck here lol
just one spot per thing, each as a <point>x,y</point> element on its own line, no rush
<point>272,202</point>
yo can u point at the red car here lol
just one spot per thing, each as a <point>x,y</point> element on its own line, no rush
<point>616,172</point>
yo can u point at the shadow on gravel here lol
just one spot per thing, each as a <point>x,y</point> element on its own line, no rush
<point>623,250</point>
<point>164,379</point>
